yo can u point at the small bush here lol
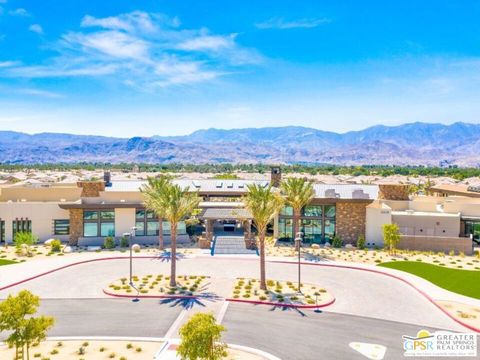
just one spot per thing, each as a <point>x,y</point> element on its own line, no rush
<point>81,351</point>
<point>109,243</point>
<point>102,349</point>
<point>129,346</point>
<point>112,355</point>
<point>138,349</point>
<point>124,242</point>
<point>54,352</point>
<point>56,245</point>
<point>361,242</point>
<point>337,242</point>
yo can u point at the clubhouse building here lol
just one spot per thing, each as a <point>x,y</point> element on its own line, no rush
<point>86,212</point>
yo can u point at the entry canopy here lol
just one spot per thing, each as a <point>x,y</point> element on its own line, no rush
<point>226,214</point>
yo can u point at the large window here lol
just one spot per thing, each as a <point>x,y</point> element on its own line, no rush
<point>2,231</point>
<point>21,226</point>
<point>473,227</point>
<point>147,224</point>
<point>317,222</point>
<point>99,223</point>
<point>61,227</point>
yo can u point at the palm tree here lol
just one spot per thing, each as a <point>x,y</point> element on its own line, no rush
<point>297,192</point>
<point>175,204</point>
<point>263,204</point>
<point>151,193</point>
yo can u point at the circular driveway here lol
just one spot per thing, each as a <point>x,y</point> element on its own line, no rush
<point>357,292</point>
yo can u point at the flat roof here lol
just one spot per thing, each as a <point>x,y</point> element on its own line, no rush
<point>424,213</point>
<point>455,189</point>
<point>226,214</point>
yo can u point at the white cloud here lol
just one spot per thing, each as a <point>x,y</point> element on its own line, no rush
<point>36,28</point>
<point>19,12</point>
<point>143,50</point>
<point>281,23</point>
<point>4,64</point>
<point>208,43</point>
<point>38,92</point>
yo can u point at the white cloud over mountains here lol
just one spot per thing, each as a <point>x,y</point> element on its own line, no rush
<point>143,50</point>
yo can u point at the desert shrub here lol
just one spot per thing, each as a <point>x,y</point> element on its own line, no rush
<point>54,352</point>
<point>56,245</point>
<point>129,346</point>
<point>337,242</point>
<point>81,351</point>
<point>361,242</point>
<point>124,242</point>
<point>23,242</point>
<point>109,243</point>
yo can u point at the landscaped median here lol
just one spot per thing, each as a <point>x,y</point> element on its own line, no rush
<point>6,262</point>
<point>464,282</point>
<point>158,285</point>
<point>280,293</point>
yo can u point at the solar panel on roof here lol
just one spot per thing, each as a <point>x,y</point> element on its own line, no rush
<point>230,184</point>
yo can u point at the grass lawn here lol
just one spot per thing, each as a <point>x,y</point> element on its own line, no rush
<point>6,262</point>
<point>465,282</point>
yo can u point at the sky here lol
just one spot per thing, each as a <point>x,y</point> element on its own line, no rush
<point>169,67</point>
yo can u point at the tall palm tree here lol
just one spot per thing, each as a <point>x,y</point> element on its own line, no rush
<point>151,191</point>
<point>175,204</point>
<point>297,193</point>
<point>263,204</point>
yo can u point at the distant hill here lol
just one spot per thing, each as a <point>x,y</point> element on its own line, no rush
<point>408,144</point>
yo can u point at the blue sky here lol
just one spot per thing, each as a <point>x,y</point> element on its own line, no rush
<point>167,67</point>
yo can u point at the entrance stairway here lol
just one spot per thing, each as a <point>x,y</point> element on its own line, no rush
<point>231,245</point>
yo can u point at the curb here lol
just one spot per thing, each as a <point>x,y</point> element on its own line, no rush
<point>140,296</point>
<point>271,261</point>
<point>299,306</point>
<point>71,265</point>
<point>421,292</point>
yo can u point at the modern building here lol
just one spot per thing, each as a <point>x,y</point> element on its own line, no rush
<point>86,212</point>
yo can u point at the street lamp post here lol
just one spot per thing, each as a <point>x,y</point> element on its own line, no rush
<point>298,243</point>
<point>130,235</point>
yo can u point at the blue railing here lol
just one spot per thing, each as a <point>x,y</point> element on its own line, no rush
<point>212,249</point>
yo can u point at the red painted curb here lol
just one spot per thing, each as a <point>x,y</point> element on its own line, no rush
<point>281,304</point>
<point>421,292</point>
<point>150,296</point>
<point>271,261</point>
<point>71,265</point>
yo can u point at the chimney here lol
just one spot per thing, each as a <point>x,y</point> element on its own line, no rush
<point>275,176</point>
<point>107,178</point>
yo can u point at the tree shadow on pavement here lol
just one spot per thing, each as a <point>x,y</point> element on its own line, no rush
<point>189,302</point>
<point>288,308</point>
<point>165,256</point>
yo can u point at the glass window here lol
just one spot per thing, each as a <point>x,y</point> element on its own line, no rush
<point>329,229</point>
<point>107,215</point>
<point>166,228</point>
<point>330,211</point>
<point>287,211</point>
<point>21,226</point>
<point>90,229</point>
<point>285,229</point>
<point>312,230</point>
<point>90,215</point>
<point>313,210</point>
<point>140,214</point>
<point>2,231</point>
<point>107,229</point>
<point>152,228</point>
<point>61,227</point>
<point>181,228</point>
<point>140,225</point>
<point>151,215</point>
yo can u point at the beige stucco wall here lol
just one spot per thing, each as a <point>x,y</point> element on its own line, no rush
<point>428,225</point>
<point>124,220</point>
<point>50,194</point>
<point>376,217</point>
<point>41,214</point>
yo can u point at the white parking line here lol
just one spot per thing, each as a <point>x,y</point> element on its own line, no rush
<point>222,312</point>
<point>173,329</point>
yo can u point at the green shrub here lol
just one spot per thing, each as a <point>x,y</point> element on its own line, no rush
<point>109,243</point>
<point>361,242</point>
<point>56,245</point>
<point>23,242</point>
<point>124,242</point>
<point>337,242</point>
<point>129,346</point>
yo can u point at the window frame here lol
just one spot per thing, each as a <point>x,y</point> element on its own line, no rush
<point>56,221</point>
<point>99,219</point>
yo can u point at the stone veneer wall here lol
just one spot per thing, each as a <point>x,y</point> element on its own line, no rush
<point>76,225</point>
<point>91,188</point>
<point>393,192</point>
<point>351,218</point>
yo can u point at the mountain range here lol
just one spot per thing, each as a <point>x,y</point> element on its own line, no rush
<point>409,144</point>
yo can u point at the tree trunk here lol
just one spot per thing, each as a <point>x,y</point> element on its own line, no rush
<point>160,234</point>
<point>173,259</point>
<point>263,283</point>
<point>296,226</point>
